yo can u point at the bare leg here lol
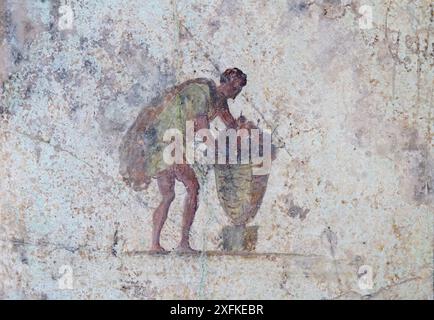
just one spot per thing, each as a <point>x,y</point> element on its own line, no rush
<point>187,176</point>
<point>166,184</point>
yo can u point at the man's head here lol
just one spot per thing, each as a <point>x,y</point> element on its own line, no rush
<point>232,82</point>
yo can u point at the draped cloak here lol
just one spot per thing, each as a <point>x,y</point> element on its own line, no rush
<point>141,150</point>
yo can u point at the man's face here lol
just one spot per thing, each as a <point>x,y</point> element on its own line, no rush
<point>235,86</point>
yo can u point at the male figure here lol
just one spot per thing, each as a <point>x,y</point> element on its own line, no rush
<point>141,152</point>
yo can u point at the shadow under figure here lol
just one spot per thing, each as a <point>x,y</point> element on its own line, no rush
<point>141,152</point>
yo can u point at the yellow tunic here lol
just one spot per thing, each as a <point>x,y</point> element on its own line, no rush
<point>141,151</point>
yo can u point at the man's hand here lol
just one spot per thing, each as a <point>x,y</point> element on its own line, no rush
<point>242,123</point>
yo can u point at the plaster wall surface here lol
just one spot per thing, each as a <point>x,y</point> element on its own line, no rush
<point>350,194</point>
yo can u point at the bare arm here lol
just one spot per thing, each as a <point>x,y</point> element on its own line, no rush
<point>227,118</point>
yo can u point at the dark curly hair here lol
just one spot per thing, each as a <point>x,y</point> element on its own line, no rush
<point>231,74</point>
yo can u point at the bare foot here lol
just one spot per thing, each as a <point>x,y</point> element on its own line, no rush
<point>157,249</point>
<point>186,249</point>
